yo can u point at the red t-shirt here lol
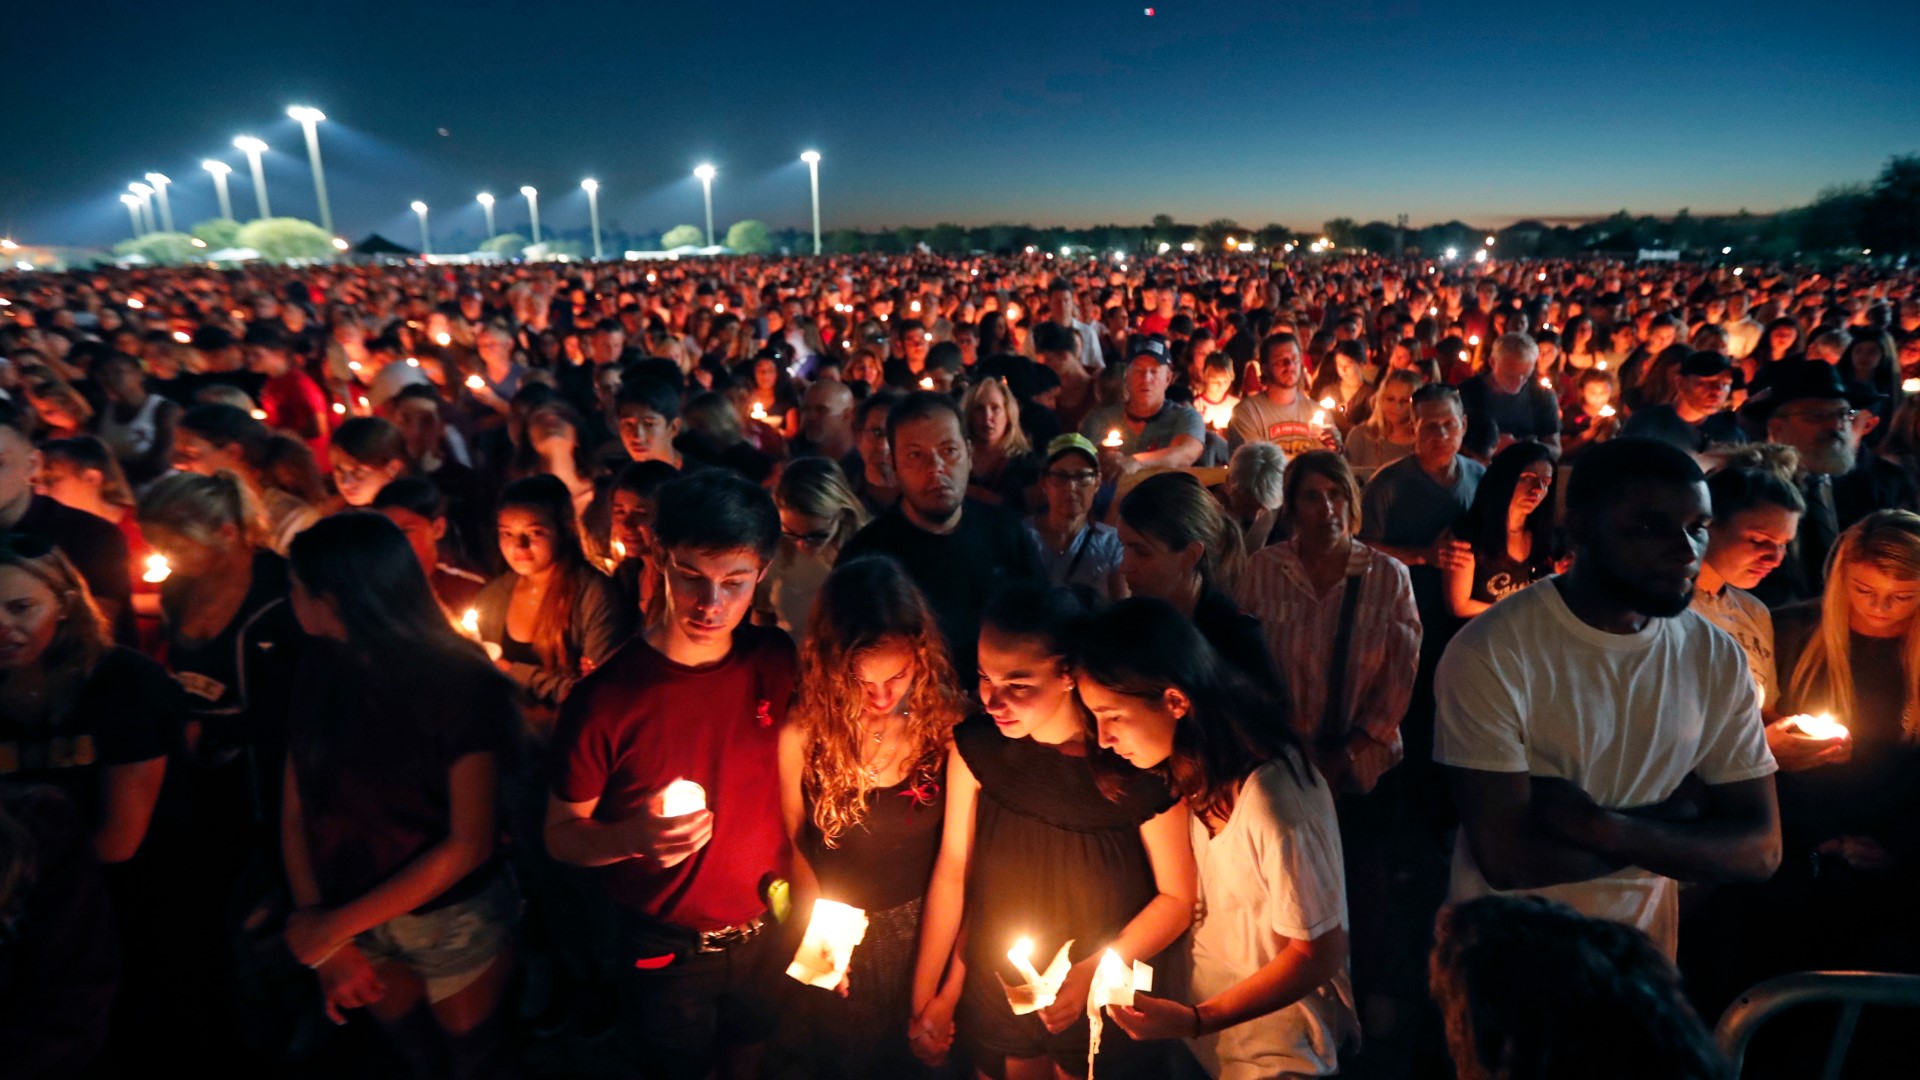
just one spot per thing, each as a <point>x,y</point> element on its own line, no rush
<point>294,404</point>
<point>641,721</point>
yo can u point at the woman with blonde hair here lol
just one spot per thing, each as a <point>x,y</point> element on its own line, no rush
<point>861,775</point>
<point>1003,465</point>
<point>1180,546</point>
<point>278,470</point>
<point>1854,655</point>
<point>819,513</point>
<point>1386,435</point>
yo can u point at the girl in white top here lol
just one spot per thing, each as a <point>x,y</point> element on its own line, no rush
<point>1271,995</point>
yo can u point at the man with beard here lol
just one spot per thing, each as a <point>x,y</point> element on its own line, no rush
<point>1603,740</point>
<point>1808,407</point>
<point>958,551</point>
<point>1282,414</point>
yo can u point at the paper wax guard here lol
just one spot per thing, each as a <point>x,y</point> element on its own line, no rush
<point>1115,983</point>
<point>682,797</point>
<point>1036,990</point>
<point>1823,726</point>
<point>826,950</point>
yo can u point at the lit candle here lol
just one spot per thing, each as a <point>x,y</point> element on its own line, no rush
<point>258,414</point>
<point>134,303</point>
<point>682,797</point>
<point>1606,411</point>
<point>1037,989</point>
<point>443,339</point>
<point>1600,364</point>
<point>926,383</point>
<point>1114,983</point>
<point>1114,439</point>
<point>1319,418</point>
<point>1327,403</point>
<point>475,382</point>
<point>832,933</point>
<point>758,412</point>
<point>470,622</point>
<point>354,365</point>
<point>1822,727</point>
<point>620,551</point>
<point>413,361</point>
<point>158,570</point>
<point>339,409</point>
<point>1910,386</point>
<point>182,336</point>
<point>1546,382</point>
<point>1474,340</point>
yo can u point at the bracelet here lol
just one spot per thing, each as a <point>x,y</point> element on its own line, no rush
<point>331,953</point>
<point>1199,1026</point>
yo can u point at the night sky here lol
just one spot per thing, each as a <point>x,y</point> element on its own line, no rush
<point>1057,112</point>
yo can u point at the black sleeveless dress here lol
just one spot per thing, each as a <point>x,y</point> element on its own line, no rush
<point>1053,859</point>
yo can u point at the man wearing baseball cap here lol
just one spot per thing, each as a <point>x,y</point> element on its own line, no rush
<point>1146,430</point>
<point>1697,417</point>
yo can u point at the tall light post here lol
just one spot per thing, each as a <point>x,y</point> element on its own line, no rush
<point>592,188</point>
<point>426,241</point>
<point>220,169</point>
<point>160,182</point>
<point>309,119</point>
<point>253,148</point>
<point>812,158</point>
<point>705,173</point>
<point>132,203</point>
<point>145,195</point>
<point>486,203</point>
<point>533,210</point>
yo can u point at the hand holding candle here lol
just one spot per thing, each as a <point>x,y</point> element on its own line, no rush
<point>1114,983</point>
<point>672,825</point>
<point>682,797</point>
<point>826,950</point>
<point>1822,727</point>
<point>1805,741</point>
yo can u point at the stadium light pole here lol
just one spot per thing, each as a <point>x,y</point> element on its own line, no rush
<point>253,148</point>
<point>812,158</point>
<point>160,182</point>
<point>145,195</point>
<point>310,119</point>
<point>132,203</point>
<point>486,203</point>
<point>220,169</point>
<point>533,210</point>
<point>592,188</point>
<point>426,241</point>
<point>705,173</point>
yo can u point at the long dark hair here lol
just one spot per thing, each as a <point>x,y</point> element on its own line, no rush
<point>1143,647</point>
<point>546,495</point>
<point>1487,518</point>
<point>400,645</point>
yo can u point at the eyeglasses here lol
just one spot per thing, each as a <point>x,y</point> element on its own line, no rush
<point>1074,479</point>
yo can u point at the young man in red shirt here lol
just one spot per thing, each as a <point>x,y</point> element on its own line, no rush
<point>700,697</point>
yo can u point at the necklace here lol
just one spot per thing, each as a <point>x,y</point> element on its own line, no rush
<point>876,761</point>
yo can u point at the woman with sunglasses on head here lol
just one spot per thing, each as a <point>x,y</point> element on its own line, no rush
<point>819,513</point>
<point>1268,968</point>
<point>397,744</point>
<point>861,790</point>
<point>1046,841</point>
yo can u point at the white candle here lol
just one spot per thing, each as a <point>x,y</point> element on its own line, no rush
<point>158,569</point>
<point>1113,440</point>
<point>826,950</point>
<point>1823,727</point>
<point>682,797</point>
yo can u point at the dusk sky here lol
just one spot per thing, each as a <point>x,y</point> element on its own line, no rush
<point>1063,112</point>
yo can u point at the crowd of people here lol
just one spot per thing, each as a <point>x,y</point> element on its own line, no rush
<point>478,671</point>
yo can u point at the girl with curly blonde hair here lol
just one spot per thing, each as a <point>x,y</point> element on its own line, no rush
<point>861,787</point>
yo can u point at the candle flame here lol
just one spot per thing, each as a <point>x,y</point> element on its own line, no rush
<point>470,622</point>
<point>354,365</point>
<point>158,570</point>
<point>1319,418</point>
<point>1546,382</point>
<point>1822,726</point>
<point>1113,439</point>
<point>1606,410</point>
<point>619,550</point>
<point>1327,403</point>
<point>758,412</point>
<point>475,382</point>
<point>1910,386</point>
<point>182,336</point>
<point>926,383</point>
<point>1600,364</point>
<point>339,408</point>
<point>443,339</point>
<point>1474,340</point>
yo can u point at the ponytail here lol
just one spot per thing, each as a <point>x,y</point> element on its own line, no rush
<point>1175,509</point>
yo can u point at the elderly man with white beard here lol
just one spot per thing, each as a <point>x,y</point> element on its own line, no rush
<point>1809,407</point>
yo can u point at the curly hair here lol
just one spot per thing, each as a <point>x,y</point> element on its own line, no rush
<point>865,605</point>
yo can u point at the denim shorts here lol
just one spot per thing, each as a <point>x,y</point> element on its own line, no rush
<point>449,948</point>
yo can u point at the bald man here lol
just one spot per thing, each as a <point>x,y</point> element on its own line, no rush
<point>826,420</point>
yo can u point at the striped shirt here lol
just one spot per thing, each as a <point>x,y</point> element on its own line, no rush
<point>1381,659</point>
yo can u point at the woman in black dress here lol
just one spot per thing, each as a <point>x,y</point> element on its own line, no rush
<point>861,790</point>
<point>1048,840</point>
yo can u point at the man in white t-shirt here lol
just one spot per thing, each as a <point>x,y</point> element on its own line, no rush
<point>1579,718</point>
